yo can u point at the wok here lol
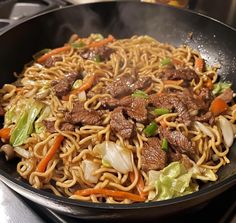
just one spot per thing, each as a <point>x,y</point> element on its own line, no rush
<point>214,40</point>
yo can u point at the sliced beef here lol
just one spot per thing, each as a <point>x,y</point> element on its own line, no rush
<point>2,112</point>
<point>79,115</point>
<point>178,142</point>
<point>63,86</point>
<point>206,97</point>
<point>126,84</point>
<point>180,157</point>
<point>227,95</point>
<point>50,62</point>
<point>185,74</point>
<point>172,102</point>
<point>119,124</point>
<point>207,117</point>
<point>64,126</point>
<point>121,86</point>
<point>102,53</point>
<point>135,108</point>
<point>153,157</point>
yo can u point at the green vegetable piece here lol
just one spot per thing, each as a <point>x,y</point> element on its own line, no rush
<point>161,111</point>
<point>140,94</point>
<point>165,61</point>
<point>78,45</point>
<point>25,124</point>
<point>97,58</point>
<point>77,84</point>
<point>164,144</point>
<point>220,87</point>
<point>38,125</point>
<point>150,130</point>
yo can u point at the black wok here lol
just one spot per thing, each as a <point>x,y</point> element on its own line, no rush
<point>215,41</point>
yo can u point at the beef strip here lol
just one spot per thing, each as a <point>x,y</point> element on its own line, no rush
<point>206,97</point>
<point>135,108</point>
<point>172,102</point>
<point>63,86</point>
<point>79,115</point>
<point>126,84</point>
<point>2,112</point>
<point>120,124</point>
<point>103,52</point>
<point>185,74</point>
<point>207,117</point>
<point>50,62</point>
<point>64,126</point>
<point>178,142</point>
<point>185,160</point>
<point>153,157</point>
<point>227,95</point>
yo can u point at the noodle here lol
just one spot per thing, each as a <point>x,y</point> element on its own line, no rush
<point>78,162</point>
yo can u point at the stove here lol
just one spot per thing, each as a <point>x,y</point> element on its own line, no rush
<point>16,209</point>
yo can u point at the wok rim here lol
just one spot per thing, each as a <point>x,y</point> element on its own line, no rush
<point>10,180</point>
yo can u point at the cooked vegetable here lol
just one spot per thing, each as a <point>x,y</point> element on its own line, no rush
<point>140,184</point>
<point>5,133</point>
<point>41,53</point>
<point>150,130</point>
<point>85,86</point>
<point>164,144</point>
<point>102,42</point>
<point>9,151</point>
<point>77,84</point>
<point>89,167</point>
<point>22,152</point>
<point>51,152</point>
<point>97,58</point>
<point>78,44</point>
<point>25,124</point>
<point>53,52</point>
<point>219,87</point>
<point>227,130</point>
<point>165,61</point>
<point>161,111</point>
<point>173,181</point>
<point>118,157</point>
<point>218,106</point>
<point>111,193</point>
<point>199,64</point>
<point>204,129</point>
<point>38,125</point>
<point>140,94</point>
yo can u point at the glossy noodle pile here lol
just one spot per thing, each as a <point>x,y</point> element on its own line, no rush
<point>118,120</point>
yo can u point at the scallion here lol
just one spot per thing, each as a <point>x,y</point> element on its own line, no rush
<point>97,58</point>
<point>165,61</point>
<point>161,111</point>
<point>220,87</point>
<point>140,94</point>
<point>78,45</point>
<point>150,130</point>
<point>164,144</point>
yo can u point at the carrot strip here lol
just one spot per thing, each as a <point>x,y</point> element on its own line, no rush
<point>199,64</point>
<point>218,106</point>
<point>172,82</point>
<point>140,185</point>
<point>85,86</point>
<point>5,133</point>
<point>103,42</point>
<point>112,193</point>
<point>51,152</point>
<point>53,52</point>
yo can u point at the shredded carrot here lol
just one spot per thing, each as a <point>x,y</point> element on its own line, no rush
<point>85,86</point>
<point>5,133</point>
<point>209,84</point>
<point>177,62</point>
<point>199,64</point>
<point>51,152</point>
<point>103,42</point>
<point>108,192</point>
<point>218,106</point>
<point>173,82</point>
<point>53,52</point>
<point>140,185</point>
